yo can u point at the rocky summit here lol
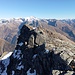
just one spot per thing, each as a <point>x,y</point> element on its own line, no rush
<point>39,52</point>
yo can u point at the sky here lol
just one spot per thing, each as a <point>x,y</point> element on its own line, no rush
<point>53,9</point>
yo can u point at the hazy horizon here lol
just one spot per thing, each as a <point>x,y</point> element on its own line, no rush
<point>37,17</point>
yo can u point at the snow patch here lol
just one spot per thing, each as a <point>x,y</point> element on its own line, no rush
<point>46,51</point>
<point>13,72</point>
<point>34,28</point>
<point>4,72</point>
<point>7,55</point>
<point>28,72</point>
<point>17,54</point>
<point>20,63</point>
<point>34,56</point>
<point>20,67</point>
<point>6,63</point>
<point>20,44</point>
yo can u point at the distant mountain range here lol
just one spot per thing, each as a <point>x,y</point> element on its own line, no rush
<point>9,29</point>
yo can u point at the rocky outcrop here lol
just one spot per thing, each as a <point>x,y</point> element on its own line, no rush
<point>9,28</point>
<point>32,57</point>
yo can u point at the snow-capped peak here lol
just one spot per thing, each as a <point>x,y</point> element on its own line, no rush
<point>31,18</point>
<point>3,21</point>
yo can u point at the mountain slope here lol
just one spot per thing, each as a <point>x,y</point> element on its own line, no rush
<point>5,46</point>
<point>9,29</point>
<point>41,52</point>
<point>9,32</point>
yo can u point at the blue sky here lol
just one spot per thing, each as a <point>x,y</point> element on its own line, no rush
<point>58,9</point>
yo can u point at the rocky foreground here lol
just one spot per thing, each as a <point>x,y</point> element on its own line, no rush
<point>40,52</point>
